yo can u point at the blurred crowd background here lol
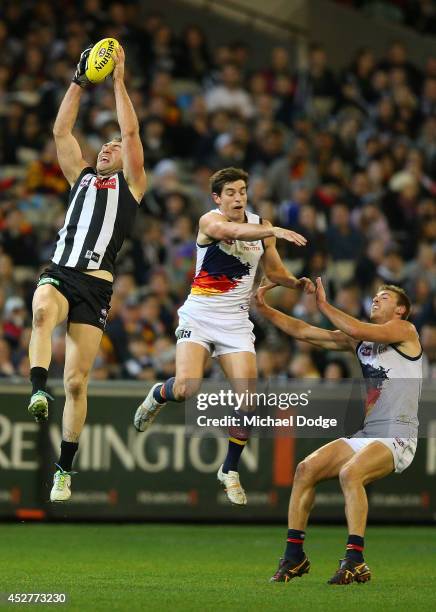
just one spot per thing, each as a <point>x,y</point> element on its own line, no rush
<point>417,14</point>
<point>346,158</point>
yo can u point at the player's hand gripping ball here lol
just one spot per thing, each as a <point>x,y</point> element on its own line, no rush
<point>100,62</point>
<point>79,76</point>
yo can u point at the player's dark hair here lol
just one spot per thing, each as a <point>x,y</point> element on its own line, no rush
<point>402,298</point>
<point>226,175</point>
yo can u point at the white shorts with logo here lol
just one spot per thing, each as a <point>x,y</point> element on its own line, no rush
<point>402,449</point>
<point>218,336</point>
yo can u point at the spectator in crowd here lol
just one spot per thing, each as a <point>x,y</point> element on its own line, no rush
<point>229,94</point>
<point>336,369</point>
<point>8,285</point>
<point>14,319</point>
<point>194,60</point>
<point>297,168</point>
<point>303,366</point>
<point>6,367</point>
<point>316,88</point>
<point>343,241</point>
<point>17,238</point>
<point>428,342</point>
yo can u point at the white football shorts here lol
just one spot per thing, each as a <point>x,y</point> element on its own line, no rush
<point>218,336</point>
<point>402,449</point>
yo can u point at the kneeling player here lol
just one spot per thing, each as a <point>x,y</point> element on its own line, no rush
<point>388,349</point>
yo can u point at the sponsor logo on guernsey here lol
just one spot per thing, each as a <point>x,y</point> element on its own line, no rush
<point>251,246</point>
<point>92,255</point>
<point>85,181</point>
<point>105,183</point>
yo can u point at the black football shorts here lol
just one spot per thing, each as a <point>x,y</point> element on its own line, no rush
<point>88,297</point>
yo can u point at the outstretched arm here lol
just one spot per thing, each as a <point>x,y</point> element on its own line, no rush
<point>392,332</point>
<point>132,151</point>
<point>215,227</point>
<point>300,330</point>
<point>276,271</point>
<point>68,149</point>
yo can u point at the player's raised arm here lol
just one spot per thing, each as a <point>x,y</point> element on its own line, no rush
<point>215,227</point>
<point>132,151</point>
<point>394,331</point>
<point>68,149</point>
<point>300,330</point>
<point>276,271</point>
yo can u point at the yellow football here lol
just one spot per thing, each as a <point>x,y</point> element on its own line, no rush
<point>100,61</point>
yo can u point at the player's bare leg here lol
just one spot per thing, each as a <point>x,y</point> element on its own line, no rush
<point>191,359</point>
<point>82,344</point>
<point>371,463</point>
<point>49,308</point>
<point>323,464</point>
<point>241,370</point>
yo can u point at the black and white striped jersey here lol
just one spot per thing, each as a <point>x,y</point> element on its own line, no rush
<point>101,213</point>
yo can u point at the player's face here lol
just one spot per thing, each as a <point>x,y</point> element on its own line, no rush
<point>109,159</point>
<point>233,200</point>
<point>384,307</point>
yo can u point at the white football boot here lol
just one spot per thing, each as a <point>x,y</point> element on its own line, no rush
<point>147,411</point>
<point>38,405</point>
<point>61,490</point>
<point>234,491</point>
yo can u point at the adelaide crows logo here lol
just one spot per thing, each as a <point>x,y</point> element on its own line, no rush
<point>374,379</point>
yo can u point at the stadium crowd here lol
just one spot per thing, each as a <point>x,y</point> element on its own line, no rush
<point>417,14</point>
<point>348,159</point>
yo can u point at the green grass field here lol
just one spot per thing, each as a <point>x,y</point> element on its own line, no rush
<point>186,567</point>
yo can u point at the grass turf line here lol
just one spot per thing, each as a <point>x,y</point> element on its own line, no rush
<point>185,567</point>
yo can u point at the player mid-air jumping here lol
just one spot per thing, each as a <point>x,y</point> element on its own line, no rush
<point>77,285</point>
<point>231,243</point>
<point>390,355</point>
